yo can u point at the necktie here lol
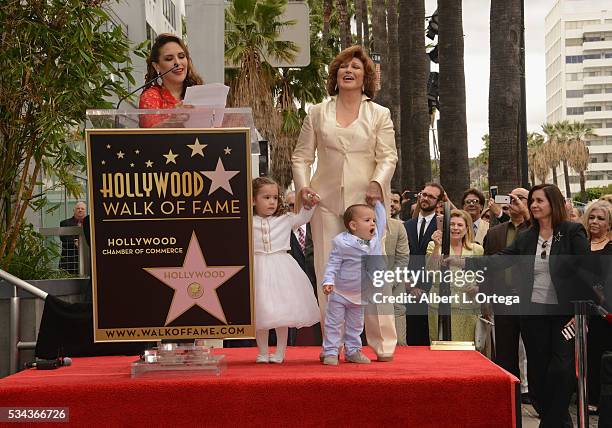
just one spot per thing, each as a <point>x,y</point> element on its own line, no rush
<point>301,238</point>
<point>475,227</point>
<point>422,229</point>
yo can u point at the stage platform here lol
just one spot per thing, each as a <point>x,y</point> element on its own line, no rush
<point>419,388</point>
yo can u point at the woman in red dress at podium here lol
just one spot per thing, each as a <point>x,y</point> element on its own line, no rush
<point>168,53</point>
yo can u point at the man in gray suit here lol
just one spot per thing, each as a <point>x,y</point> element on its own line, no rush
<point>396,249</point>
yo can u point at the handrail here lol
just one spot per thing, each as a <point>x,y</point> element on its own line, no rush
<point>23,285</point>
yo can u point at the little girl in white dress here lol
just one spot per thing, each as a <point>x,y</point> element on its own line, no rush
<point>284,296</point>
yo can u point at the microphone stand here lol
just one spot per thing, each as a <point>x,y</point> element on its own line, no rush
<point>147,83</point>
<point>580,349</point>
<point>444,308</point>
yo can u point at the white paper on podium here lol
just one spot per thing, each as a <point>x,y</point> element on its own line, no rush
<point>212,96</point>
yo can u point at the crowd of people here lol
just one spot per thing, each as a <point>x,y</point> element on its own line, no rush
<point>539,247</point>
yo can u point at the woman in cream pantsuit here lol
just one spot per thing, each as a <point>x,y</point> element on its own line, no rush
<point>354,141</point>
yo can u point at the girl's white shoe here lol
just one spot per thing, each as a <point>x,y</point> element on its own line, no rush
<point>262,359</point>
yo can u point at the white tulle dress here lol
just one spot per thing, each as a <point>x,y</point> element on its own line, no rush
<point>284,296</point>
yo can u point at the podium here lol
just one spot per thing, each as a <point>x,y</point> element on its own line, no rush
<point>170,217</point>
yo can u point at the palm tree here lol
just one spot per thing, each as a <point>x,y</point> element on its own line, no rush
<point>346,39</point>
<point>359,22</point>
<point>454,165</point>
<point>394,84</point>
<point>252,30</point>
<point>538,168</point>
<point>327,11</point>
<point>380,46</point>
<point>416,158</point>
<point>366,25</point>
<point>551,150</point>
<point>505,94</point>
<point>579,152</point>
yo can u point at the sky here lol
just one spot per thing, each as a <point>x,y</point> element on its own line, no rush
<point>476,64</point>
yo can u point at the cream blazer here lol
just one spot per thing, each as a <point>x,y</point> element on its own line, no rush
<point>344,171</point>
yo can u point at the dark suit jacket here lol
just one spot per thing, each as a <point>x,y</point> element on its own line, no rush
<point>413,236</point>
<point>496,282</point>
<point>419,249</point>
<point>306,258</point>
<point>569,264</point>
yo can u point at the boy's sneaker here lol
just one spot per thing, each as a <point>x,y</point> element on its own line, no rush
<point>330,360</point>
<point>357,357</point>
<point>276,359</point>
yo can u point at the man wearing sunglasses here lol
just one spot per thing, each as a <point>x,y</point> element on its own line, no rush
<point>473,202</point>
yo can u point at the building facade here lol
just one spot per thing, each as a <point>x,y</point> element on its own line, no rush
<point>578,48</point>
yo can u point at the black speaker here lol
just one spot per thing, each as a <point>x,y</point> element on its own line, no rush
<point>605,398</point>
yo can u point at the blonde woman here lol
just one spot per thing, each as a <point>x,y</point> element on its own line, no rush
<point>464,311</point>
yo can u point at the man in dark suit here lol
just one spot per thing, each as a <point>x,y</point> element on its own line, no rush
<point>302,251</point>
<point>507,320</point>
<point>69,260</point>
<point>419,231</point>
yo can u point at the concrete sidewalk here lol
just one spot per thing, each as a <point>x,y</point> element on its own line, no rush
<point>530,417</point>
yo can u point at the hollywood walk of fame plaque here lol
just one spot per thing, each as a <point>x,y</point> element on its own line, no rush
<point>170,215</point>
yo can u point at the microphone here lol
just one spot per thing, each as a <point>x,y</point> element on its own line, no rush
<point>41,364</point>
<point>146,84</point>
<point>569,331</point>
<point>602,313</point>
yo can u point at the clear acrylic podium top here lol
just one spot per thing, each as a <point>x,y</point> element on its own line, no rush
<point>192,117</point>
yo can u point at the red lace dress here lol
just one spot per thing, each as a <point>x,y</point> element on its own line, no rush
<point>155,97</point>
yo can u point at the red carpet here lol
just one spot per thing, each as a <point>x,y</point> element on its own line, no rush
<point>420,388</point>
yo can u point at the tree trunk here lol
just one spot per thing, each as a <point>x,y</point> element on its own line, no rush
<point>417,74</point>
<point>394,86</point>
<point>582,187</point>
<point>532,177</point>
<point>344,24</point>
<point>505,95</point>
<point>407,56</point>
<point>554,174</point>
<point>327,10</point>
<point>380,46</point>
<point>568,192</point>
<point>359,21</point>
<point>454,165</point>
<point>366,24</point>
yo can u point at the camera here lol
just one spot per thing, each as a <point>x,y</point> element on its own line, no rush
<point>502,199</point>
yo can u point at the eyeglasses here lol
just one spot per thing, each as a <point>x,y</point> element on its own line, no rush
<point>544,246</point>
<point>428,196</point>
<point>471,202</point>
